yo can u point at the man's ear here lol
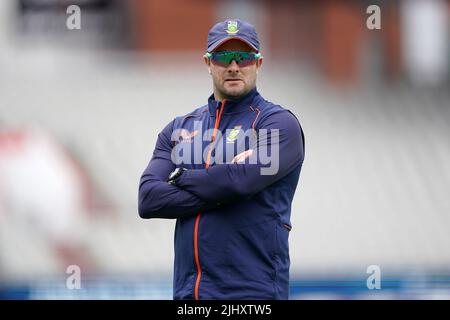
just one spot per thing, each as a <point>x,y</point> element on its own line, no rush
<point>259,62</point>
<point>207,62</point>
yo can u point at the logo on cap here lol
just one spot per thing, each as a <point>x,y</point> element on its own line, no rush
<point>232,27</point>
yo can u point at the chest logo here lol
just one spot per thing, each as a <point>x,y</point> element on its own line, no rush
<point>233,134</point>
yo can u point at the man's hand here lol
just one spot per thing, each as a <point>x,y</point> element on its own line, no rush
<point>242,156</point>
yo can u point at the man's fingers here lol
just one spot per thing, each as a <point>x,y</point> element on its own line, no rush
<point>242,156</point>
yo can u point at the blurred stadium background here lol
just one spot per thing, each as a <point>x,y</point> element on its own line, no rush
<point>80,111</point>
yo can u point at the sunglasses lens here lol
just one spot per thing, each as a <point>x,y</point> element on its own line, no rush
<point>221,59</point>
<point>224,58</point>
<point>246,62</point>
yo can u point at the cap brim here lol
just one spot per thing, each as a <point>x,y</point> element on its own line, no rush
<point>218,43</point>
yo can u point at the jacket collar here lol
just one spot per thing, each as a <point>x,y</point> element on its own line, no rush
<point>233,106</point>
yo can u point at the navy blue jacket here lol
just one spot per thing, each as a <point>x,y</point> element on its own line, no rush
<point>233,222</point>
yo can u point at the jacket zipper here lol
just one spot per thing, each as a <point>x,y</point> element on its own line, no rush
<point>197,220</point>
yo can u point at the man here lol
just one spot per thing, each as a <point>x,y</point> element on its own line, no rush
<point>228,172</point>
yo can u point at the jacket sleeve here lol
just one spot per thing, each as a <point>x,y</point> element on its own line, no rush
<point>230,182</point>
<point>159,199</point>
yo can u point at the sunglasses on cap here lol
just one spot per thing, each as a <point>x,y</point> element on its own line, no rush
<point>224,58</point>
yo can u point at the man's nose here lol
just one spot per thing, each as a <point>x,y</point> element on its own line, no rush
<point>233,67</point>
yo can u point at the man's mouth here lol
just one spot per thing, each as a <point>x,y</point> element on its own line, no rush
<point>232,80</point>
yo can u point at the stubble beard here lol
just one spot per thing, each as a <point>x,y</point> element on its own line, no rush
<point>232,94</point>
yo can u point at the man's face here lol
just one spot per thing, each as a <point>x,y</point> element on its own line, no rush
<point>233,82</point>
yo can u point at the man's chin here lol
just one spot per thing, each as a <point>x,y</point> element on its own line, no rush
<point>235,94</point>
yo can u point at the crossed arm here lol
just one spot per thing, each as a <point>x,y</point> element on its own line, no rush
<point>203,189</point>
<point>159,199</point>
